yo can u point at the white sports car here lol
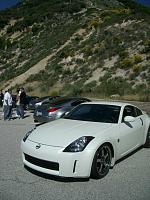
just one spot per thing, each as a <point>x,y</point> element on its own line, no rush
<point>87,141</point>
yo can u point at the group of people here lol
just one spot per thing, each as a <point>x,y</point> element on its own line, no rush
<point>6,101</point>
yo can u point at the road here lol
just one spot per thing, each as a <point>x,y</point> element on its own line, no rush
<point>128,180</point>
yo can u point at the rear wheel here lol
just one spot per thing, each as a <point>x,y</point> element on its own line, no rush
<point>101,162</point>
<point>147,143</point>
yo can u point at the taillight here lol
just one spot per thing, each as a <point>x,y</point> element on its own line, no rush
<point>53,109</point>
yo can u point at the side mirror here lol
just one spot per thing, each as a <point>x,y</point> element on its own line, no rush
<point>129,119</point>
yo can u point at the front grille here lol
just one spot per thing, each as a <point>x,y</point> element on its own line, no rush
<point>42,163</point>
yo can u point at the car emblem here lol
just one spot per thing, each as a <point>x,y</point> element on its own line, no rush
<point>38,146</point>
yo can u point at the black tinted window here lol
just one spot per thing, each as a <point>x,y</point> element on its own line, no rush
<point>129,111</point>
<point>138,112</point>
<point>95,113</point>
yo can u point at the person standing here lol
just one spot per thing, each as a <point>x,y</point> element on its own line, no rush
<point>1,98</point>
<point>7,105</point>
<point>22,101</point>
<point>18,109</point>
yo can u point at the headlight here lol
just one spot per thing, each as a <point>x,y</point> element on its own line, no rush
<point>27,134</point>
<point>79,144</point>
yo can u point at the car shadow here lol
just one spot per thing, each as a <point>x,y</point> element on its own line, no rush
<point>55,178</point>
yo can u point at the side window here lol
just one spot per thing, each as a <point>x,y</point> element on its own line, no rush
<point>128,111</point>
<point>138,112</point>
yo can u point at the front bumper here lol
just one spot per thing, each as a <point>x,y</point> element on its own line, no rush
<point>52,160</point>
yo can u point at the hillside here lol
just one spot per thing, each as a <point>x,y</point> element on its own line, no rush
<point>93,48</point>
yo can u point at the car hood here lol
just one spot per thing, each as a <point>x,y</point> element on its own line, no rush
<point>62,132</point>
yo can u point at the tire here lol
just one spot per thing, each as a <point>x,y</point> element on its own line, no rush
<point>147,143</point>
<point>101,162</point>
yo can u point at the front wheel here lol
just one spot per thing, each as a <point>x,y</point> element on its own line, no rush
<point>147,143</point>
<point>101,162</point>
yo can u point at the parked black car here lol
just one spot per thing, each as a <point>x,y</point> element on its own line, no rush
<point>29,99</point>
<point>57,108</point>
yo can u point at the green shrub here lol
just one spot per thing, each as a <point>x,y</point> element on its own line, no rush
<point>76,6</point>
<point>87,50</point>
<point>26,44</point>
<point>4,43</point>
<point>29,89</point>
<point>54,93</point>
<point>89,87</point>
<point>66,73</point>
<point>3,21</point>
<point>123,54</point>
<point>114,86</point>
<point>95,23</point>
<point>137,67</point>
<point>126,63</point>
<point>137,58</point>
<point>143,91</point>
<point>106,76</point>
<point>76,90</point>
<point>35,29</point>
<point>71,90</point>
<point>44,88</point>
<point>147,46</point>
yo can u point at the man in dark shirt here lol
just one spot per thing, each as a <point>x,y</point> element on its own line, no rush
<point>22,101</point>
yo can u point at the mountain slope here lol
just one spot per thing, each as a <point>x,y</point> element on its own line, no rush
<point>94,48</point>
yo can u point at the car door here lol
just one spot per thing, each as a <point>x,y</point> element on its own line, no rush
<point>141,118</point>
<point>130,136</point>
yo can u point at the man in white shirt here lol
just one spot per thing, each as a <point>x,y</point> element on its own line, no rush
<point>7,105</point>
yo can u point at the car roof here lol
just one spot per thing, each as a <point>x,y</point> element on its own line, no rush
<point>68,99</point>
<point>115,103</point>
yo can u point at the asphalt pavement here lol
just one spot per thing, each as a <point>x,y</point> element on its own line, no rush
<point>128,180</point>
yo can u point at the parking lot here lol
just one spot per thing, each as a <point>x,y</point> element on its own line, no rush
<point>128,180</point>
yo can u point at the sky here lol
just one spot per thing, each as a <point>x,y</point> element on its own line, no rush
<point>145,2</point>
<point>9,3</point>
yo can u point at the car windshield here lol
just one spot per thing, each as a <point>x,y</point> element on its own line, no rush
<point>95,113</point>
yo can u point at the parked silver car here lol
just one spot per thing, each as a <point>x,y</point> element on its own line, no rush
<point>57,108</point>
